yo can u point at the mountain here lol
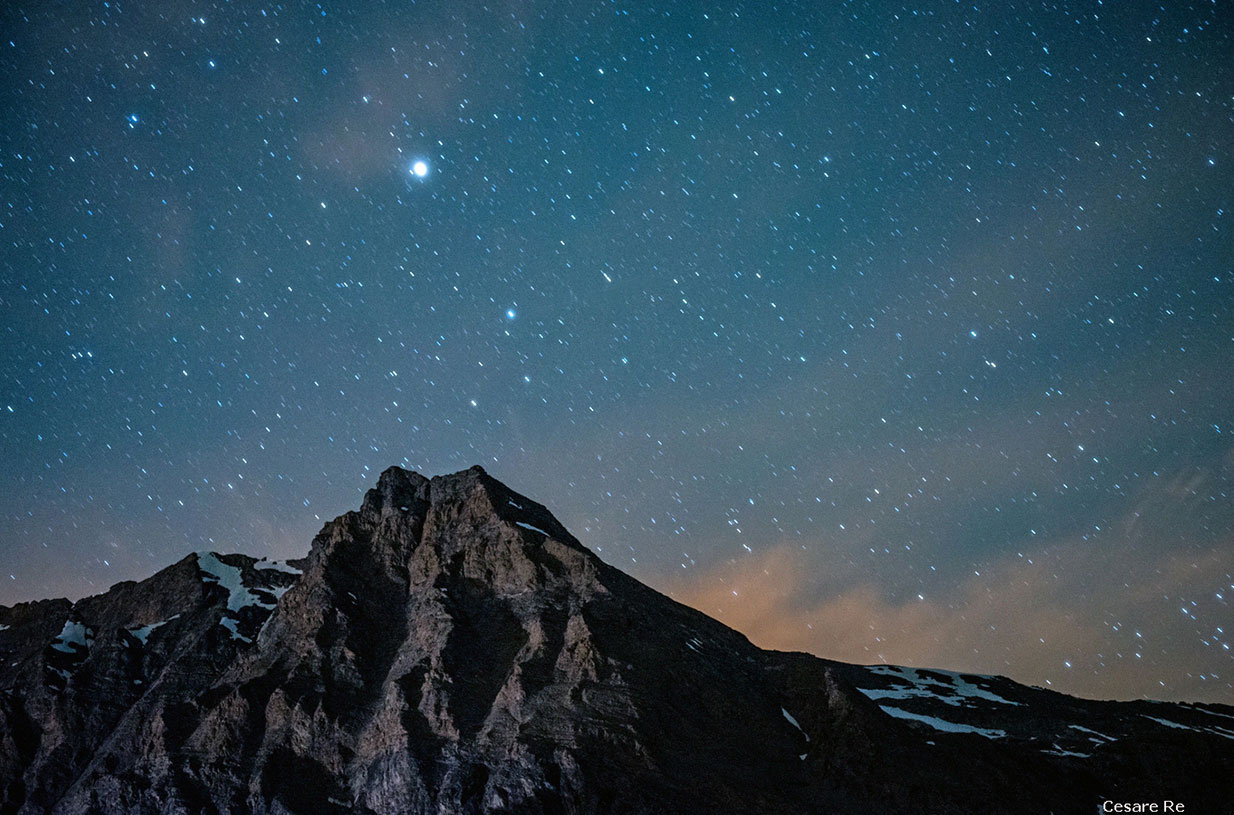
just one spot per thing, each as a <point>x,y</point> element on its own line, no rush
<point>451,648</point>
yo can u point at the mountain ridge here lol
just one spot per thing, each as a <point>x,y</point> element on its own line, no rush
<point>450,646</point>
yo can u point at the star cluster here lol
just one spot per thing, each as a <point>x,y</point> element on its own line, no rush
<point>886,332</point>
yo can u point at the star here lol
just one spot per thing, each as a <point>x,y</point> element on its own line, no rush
<point>687,246</point>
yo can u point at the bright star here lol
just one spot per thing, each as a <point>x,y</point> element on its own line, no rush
<point>419,169</point>
<point>510,314</point>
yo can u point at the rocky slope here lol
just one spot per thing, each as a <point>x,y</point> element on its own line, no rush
<point>451,648</point>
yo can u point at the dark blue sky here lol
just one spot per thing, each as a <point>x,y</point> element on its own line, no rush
<point>883,332</point>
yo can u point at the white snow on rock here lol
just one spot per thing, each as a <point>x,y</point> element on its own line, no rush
<point>4,627</point>
<point>143,633</point>
<point>73,636</point>
<point>1093,734</point>
<point>278,591</point>
<point>942,724</point>
<point>277,566</point>
<point>230,578</point>
<point>231,623</point>
<point>794,723</point>
<point>1058,751</point>
<point>533,528</point>
<point>956,691</point>
<point>1216,731</point>
<point>514,503</point>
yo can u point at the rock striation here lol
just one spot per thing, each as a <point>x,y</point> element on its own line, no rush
<point>452,648</point>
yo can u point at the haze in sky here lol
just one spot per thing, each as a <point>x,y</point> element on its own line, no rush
<point>885,332</point>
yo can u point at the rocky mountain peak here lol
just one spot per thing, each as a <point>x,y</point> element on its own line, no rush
<point>413,531</point>
<point>397,491</point>
<point>450,647</point>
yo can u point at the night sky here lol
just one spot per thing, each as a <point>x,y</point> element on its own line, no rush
<point>884,332</point>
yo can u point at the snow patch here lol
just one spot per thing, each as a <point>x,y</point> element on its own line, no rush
<point>4,627</point>
<point>1212,729</point>
<point>277,566</point>
<point>942,724</point>
<point>1058,751</point>
<point>1189,707</point>
<point>952,692</point>
<point>238,595</point>
<point>532,528</point>
<point>1216,731</point>
<point>230,578</point>
<point>143,633</point>
<point>514,503</point>
<point>794,723</point>
<point>231,623</point>
<point>278,591</point>
<point>1100,736</point>
<point>73,637</point>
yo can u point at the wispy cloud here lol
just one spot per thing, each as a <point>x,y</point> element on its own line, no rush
<point>1111,616</point>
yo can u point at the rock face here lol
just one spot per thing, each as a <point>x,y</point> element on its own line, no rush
<point>451,648</point>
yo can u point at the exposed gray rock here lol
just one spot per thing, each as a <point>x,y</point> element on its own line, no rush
<point>451,648</point>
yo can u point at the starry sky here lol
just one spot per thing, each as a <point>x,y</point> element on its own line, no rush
<point>885,332</point>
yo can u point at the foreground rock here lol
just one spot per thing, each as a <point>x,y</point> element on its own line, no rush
<point>451,648</point>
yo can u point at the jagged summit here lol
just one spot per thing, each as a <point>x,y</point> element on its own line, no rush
<point>401,492</point>
<point>451,647</point>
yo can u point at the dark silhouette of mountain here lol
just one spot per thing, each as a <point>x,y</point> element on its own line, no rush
<point>451,648</point>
